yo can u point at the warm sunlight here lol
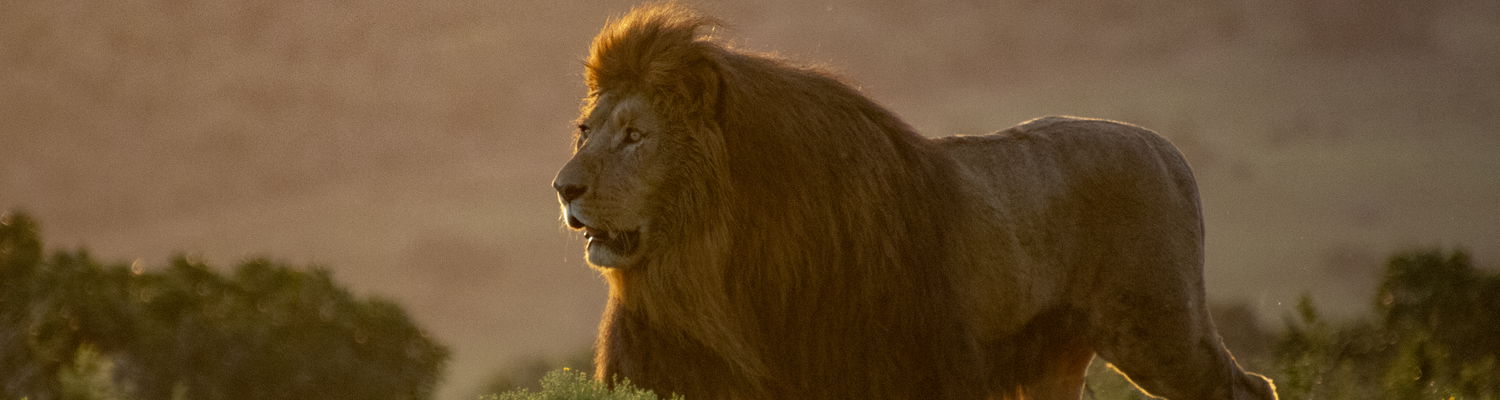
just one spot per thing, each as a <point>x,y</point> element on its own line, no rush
<point>227,199</point>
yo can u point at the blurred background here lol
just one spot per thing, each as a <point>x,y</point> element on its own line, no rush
<point>408,146</point>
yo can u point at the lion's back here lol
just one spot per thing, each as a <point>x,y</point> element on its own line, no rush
<point>1063,156</point>
<point>1060,153</point>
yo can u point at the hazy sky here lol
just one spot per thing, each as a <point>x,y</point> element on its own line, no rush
<point>408,146</point>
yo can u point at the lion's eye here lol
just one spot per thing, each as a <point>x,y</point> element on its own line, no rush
<point>632,135</point>
<point>583,130</point>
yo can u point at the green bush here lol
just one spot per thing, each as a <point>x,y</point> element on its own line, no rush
<point>75,328</point>
<point>527,374</point>
<point>567,384</point>
<point>1434,334</point>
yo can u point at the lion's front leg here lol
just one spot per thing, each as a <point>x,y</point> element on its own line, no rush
<point>629,348</point>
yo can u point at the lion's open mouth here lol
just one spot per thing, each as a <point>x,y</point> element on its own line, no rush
<point>618,242</point>
<point>622,243</point>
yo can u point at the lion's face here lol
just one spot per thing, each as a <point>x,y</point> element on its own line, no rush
<point>629,167</point>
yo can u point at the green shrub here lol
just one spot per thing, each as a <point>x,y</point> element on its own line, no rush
<point>72,327</point>
<point>1434,334</point>
<point>567,384</point>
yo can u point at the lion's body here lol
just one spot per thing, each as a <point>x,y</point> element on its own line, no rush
<point>785,237</point>
<point>1092,242</point>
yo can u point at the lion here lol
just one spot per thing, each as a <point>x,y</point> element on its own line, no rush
<point>769,232</point>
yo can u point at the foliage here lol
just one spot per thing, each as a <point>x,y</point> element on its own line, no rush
<point>567,384</point>
<point>1435,334</point>
<point>72,327</point>
<point>528,374</point>
<point>69,325</point>
<point>89,377</point>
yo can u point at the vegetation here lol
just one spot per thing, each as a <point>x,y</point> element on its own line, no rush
<point>1433,333</point>
<point>529,373</point>
<point>567,384</point>
<point>72,327</point>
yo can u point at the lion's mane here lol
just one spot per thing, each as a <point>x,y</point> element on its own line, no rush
<point>815,261</point>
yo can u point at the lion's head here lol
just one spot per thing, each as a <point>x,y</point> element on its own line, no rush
<point>647,153</point>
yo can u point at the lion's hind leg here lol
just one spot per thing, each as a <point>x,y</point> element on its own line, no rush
<point>1174,352</point>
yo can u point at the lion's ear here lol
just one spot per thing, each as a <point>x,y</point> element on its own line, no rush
<point>698,86</point>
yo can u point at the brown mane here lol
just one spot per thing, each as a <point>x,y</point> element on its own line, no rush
<point>816,264</point>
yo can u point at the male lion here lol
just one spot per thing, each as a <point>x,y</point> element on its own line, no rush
<point>768,232</point>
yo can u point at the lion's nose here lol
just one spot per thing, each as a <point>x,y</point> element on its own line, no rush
<point>569,191</point>
<point>570,181</point>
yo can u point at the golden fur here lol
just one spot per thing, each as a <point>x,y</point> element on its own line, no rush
<point>788,238</point>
